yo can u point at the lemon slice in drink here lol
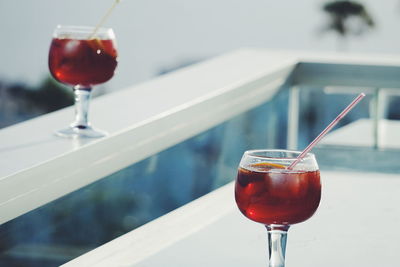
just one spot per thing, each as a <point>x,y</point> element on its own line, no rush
<point>268,165</point>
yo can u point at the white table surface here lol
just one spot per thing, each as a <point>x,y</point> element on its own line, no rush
<point>357,224</point>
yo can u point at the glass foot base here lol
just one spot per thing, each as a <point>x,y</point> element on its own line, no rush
<point>81,132</point>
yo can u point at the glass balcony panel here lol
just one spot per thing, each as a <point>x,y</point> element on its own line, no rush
<point>364,140</point>
<point>78,222</point>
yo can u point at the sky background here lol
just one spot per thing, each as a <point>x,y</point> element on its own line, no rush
<point>153,35</point>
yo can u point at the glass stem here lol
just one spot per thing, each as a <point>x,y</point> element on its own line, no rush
<point>82,97</point>
<point>277,235</point>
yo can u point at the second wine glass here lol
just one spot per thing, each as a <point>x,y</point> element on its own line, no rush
<point>269,193</point>
<point>82,57</point>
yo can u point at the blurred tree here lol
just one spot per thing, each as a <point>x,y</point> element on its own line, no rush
<point>19,102</point>
<point>50,96</point>
<point>347,18</point>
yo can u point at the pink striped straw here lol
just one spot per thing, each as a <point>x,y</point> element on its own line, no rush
<point>327,129</point>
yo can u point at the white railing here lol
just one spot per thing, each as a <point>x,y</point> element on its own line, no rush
<point>37,167</point>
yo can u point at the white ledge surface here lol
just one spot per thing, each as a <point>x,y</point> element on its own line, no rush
<point>355,225</point>
<point>36,167</point>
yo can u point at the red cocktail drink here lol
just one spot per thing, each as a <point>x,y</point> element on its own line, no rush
<point>272,190</point>
<point>82,62</point>
<point>271,195</point>
<point>82,57</point>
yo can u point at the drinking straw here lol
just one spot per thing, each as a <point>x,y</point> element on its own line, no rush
<point>327,129</point>
<point>104,18</point>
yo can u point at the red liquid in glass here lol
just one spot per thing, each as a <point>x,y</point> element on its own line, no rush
<point>279,196</point>
<point>82,62</point>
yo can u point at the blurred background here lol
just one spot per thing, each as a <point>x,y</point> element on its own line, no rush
<point>155,37</point>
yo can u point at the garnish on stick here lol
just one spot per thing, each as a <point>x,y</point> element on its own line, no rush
<point>105,17</point>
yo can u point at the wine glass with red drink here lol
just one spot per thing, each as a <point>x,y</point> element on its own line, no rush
<point>270,193</point>
<point>82,57</point>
